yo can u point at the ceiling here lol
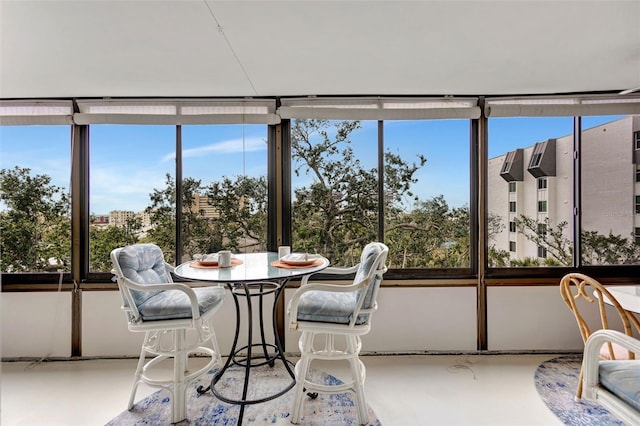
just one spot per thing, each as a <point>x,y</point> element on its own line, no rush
<point>207,48</point>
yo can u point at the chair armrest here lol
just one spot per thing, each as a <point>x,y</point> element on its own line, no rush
<point>591,357</point>
<point>195,309</point>
<point>331,271</point>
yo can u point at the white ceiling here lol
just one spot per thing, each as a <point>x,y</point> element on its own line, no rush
<point>187,48</point>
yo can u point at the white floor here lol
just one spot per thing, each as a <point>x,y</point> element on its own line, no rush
<point>403,390</point>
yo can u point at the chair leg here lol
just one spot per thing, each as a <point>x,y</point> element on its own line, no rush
<point>579,389</point>
<point>178,403</point>
<point>138,373</point>
<point>301,370</point>
<point>358,374</point>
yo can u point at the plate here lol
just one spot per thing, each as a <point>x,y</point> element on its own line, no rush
<point>299,259</point>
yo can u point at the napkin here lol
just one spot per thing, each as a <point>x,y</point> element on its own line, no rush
<point>299,257</point>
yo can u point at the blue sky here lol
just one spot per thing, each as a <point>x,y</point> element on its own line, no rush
<point>128,162</point>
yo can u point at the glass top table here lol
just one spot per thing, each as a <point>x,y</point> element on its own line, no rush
<point>252,276</point>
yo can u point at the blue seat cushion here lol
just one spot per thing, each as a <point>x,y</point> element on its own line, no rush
<point>175,304</point>
<point>622,378</point>
<point>329,307</point>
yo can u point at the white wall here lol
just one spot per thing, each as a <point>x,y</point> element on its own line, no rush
<point>408,320</point>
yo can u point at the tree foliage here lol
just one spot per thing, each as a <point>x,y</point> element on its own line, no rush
<point>35,224</point>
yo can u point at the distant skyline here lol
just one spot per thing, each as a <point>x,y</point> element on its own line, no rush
<point>129,162</point>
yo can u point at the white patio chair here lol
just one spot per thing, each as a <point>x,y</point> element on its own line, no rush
<point>334,310</point>
<point>165,311</point>
<point>614,384</point>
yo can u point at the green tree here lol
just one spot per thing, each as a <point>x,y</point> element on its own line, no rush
<point>596,248</point>
<point>103,240</point>
<point>337,213</point>
<point>238,224</point>
<point>35,230</point>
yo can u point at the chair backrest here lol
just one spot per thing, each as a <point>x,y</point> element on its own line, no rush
<point>369,277</point>
<point>141,264</point>
<point>581,292</point>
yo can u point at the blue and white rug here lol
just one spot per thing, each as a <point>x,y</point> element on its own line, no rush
<point>206,409</point>
<point>556,382</point>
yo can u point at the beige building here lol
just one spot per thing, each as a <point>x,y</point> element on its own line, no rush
<point>537,182</point>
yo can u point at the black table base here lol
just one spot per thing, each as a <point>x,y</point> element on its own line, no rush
<point>266,353</point>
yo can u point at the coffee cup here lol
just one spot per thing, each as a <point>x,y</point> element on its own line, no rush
<point>224,258</point>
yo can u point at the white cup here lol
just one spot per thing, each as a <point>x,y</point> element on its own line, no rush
<point>283,251</point>
<point>224,258</point>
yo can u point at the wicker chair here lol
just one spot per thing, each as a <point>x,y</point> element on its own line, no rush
<point>582,293</point>
<point>336,311</point>
<point>165,311</point>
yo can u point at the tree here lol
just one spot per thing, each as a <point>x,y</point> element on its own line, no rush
<point>337,214</point>
<point>597,249</point>
<point>35,227</point>
<point>238,222</point>
<point>102,241</point>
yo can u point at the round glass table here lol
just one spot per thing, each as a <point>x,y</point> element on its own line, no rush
<point>252,276</point>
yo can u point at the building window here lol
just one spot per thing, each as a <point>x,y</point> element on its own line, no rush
<point>542,229</point>
<point>542,183</point>
<point>638,174</point>
<point>542,252</point>
<point>512,246</point>
<point>636,138</point>
<point>512,206</point>
<point>542,206</point>
<point>512,187</point>
<point>637,204</point>
<point>637,235</point>
<point>512,226</point>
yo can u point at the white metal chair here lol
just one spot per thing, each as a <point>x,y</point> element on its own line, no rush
<point>614,384</point>
<point>582,293</point>
<point>333,310</point>
<point>165,311</point>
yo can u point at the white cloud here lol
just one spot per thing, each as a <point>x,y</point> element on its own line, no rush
<point>232,146</point>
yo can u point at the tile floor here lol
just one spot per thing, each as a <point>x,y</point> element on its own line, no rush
<point>403,390</point>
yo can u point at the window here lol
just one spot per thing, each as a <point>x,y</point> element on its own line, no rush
<point>542,252</point>
<point>637,235</point>
<point>512,227</point>
<point>531,136</point>
<point>224,207</point>
<point>512,246</point>
<point>542,229</point>
<point>132,189</point>
<point>607,218</point>
<point>636,138</point>
<point>35,203</point>
<point>512,187</point>
<point>542,183</point>
<point>427,224</point>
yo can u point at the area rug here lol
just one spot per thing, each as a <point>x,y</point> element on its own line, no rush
<point>206,409</point>
<point>556,382</point>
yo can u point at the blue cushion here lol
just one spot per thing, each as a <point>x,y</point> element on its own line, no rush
<point>325,306</point>
<point>622,378</point>
<point>174,304</point>
<point>143,264</point>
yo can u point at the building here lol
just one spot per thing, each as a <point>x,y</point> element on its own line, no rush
<point>536,182</point>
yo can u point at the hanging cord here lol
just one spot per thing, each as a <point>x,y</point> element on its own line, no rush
<point>235,55</point>
<point>56,315</point>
